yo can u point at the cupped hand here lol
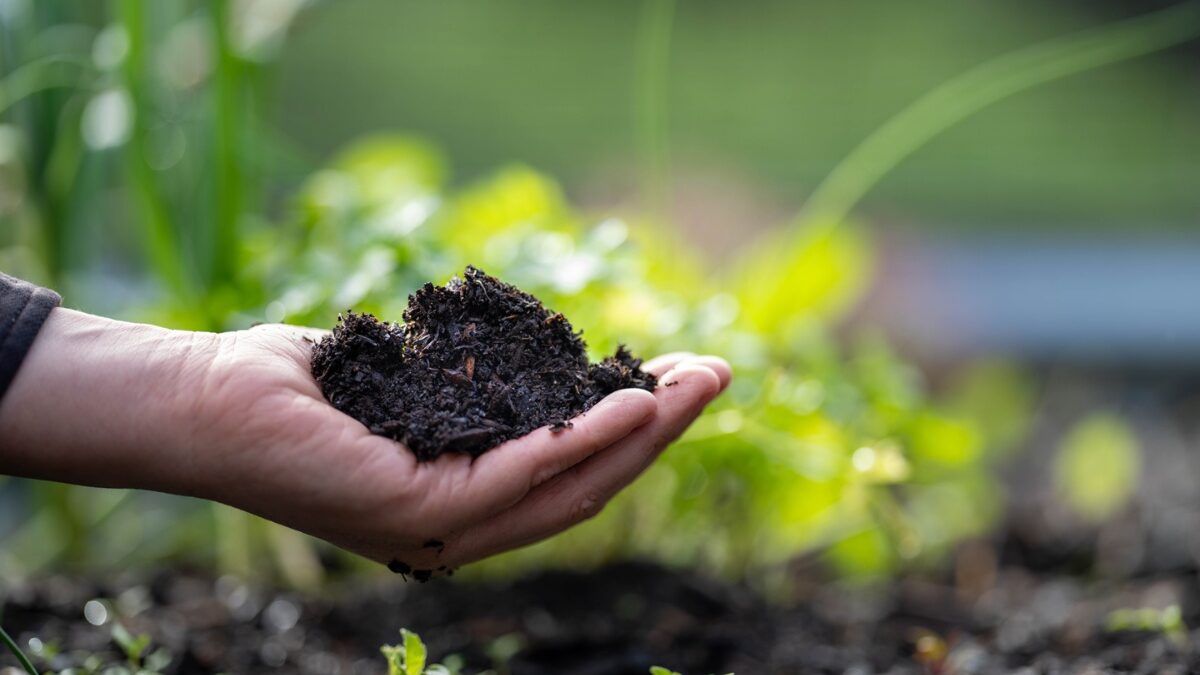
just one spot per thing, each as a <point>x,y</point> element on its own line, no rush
<point>270,443</point>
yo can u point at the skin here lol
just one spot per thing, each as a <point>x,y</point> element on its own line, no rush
<point>237,418</point>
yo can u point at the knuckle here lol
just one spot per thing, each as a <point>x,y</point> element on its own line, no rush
<point>544,474</point>
<point>588,506</point>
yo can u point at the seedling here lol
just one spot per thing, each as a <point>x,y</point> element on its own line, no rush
<point>1168,621</point>
<point>502,650</point>
<point>132,646</point>
<point>408,658</point>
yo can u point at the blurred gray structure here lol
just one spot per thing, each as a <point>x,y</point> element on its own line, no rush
<point>1107,301</point>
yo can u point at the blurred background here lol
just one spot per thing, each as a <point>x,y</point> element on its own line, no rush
<point>950,248</point>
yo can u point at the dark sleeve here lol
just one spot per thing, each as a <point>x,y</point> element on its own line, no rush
<point>23,309</point>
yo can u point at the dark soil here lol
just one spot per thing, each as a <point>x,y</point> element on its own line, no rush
<point>475,362</point>
<point>622,619</point>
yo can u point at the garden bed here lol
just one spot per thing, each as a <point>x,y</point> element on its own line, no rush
<point>624,618</point>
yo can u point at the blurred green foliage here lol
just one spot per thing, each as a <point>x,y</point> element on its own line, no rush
<point>812,447</point>
<point>1098,465</point>
<point>1168,621</point>
<point>154,115</point>
<point>768,94</point>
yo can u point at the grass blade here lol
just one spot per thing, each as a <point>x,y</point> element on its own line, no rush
<point>162,245</point>
<point>652,66</point>
<point>988,83</point>
<point>227,168</point>
<point>16,651</point>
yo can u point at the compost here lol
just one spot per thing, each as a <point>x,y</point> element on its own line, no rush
<point>473,363</point>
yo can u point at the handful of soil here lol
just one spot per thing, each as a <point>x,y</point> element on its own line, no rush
<point>475,363</point>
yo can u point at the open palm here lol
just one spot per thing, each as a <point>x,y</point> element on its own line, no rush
<point>281,451</point>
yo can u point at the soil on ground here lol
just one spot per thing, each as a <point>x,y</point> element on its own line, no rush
<point>474,363</point>
<point>622,619</point>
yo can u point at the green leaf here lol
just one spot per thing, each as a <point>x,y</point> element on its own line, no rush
<point>659,670</point>
<point>395,659</point>
<point>998,396</point>
<point>881,463</point>
<point>414,653</point>
<point>945,441</point>
<point>132,646</point>
<point>1097,466</point>
<point>158,661</point>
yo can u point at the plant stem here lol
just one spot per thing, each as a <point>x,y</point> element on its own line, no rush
<point>227,168</point>
<point>16,651</point>
<point>652,67</point>
<point>988,83</point>
<point>161,235</point>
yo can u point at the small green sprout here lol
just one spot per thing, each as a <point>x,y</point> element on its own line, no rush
<point>91,665</point>
<point>659,670</point>
<point>408,658</point>
<point>1168,621</point>
<point>502,650</point>
<point>134,647</point>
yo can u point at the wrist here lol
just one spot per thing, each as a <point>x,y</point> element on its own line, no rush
<point>104,402</point>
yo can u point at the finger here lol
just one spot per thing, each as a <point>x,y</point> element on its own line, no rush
<point>716,364</point>
<point>502,476</point>
<point>582,491</point>
<point>659,365</point>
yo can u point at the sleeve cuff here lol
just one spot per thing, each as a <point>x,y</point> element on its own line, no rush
<point>23,309</point>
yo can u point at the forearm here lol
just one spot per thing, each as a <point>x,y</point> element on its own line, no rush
<point>100,402</point>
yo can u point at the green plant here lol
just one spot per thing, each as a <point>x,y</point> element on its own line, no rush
<point>133,95</point>
<point>812,447</point>
<point>12,647</point>
<point>1168,621</point>
<point>134,648</point>
<point>819,446</point>
<point>1097,466</point>
<point>409,657</point>
<point>815,447</point>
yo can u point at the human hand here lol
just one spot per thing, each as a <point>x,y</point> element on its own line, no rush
<point>237,418</point>
<point>301,462</point>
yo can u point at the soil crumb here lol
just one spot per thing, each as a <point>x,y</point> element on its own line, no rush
<point>474,363</point>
